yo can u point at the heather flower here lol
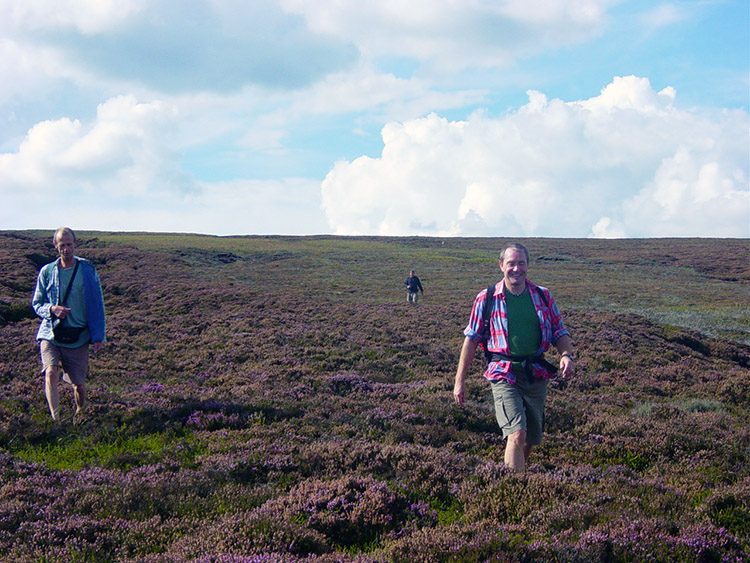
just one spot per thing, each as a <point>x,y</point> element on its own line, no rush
<point>348,382</point>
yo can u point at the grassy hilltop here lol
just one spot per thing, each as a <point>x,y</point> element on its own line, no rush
<point>276,399</point>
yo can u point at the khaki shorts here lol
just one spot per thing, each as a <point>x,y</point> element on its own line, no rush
<point>74,361</point>
<point>520,406</point>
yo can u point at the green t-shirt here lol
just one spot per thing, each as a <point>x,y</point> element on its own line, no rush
<point>524,332</point>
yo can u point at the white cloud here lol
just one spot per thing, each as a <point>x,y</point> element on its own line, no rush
<point>448,35</point>
<point>169,102</point>
<point>664,15</point>
<point>223,208</point>
<point>121,172</point>
<point>631,92</point>
<point>125,149</point>
<point>88,16</point>
<point>174,47</point>
<point>234,207</point>
<point>624,163</point>
<point>384,97</point>
<point>693,195</point>
<point>605,228</point>
<point>30,73</point>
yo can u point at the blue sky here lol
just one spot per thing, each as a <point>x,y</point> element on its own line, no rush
<point>569,118</point>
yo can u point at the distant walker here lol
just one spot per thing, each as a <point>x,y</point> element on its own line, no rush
<point>413,287</point>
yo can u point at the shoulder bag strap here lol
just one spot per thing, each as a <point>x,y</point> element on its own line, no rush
<point>541,294</point>
<point>70,284</point>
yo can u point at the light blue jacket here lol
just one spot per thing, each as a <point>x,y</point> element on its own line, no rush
<point>47,294</point>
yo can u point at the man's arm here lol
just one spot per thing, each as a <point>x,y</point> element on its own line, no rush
<point>564,345</point>
<point>464,361</point>
<point>42,307</point>
<point>94,304</point>
<point>99,344</point>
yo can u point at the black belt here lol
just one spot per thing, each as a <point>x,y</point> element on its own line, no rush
<point>525,361</point>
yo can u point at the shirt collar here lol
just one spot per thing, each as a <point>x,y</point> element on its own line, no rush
<point>529,285</point>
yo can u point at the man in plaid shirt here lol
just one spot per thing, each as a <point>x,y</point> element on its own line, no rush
<point>524,323</point>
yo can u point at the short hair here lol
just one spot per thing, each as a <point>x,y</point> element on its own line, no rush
<point>63,231</point>
<point>515,246</point>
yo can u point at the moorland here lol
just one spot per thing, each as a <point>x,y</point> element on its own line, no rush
<point>276,399</point>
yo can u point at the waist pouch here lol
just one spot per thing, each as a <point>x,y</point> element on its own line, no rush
<point>67,334</point>
<point>525,361</point>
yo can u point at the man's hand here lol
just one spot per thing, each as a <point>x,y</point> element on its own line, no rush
<point>564,346</point>
<point>459,393</point>
<point>98,346</point>
<point>567,367</point>
<point>59,311</point>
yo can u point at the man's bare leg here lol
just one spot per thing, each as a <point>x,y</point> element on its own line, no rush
<point>516,451</point>
<point>51,391</point>
<point>79,393</point>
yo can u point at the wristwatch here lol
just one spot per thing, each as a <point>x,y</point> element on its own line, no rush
<point>567,354</point>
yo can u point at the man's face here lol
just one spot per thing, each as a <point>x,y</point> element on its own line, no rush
<point>514,267</point>
<point>65,245</point>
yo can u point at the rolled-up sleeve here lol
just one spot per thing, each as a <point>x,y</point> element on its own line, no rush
<point>41,305</point>
<point>558,328</point>
<point>476,324</point>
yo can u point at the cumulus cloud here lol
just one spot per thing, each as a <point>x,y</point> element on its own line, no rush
<point>125,149</point>
<point>120,172</point>
<point>625,163</point>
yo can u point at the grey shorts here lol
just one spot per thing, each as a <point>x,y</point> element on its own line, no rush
<point>74,361</point>
<point>520,406</point>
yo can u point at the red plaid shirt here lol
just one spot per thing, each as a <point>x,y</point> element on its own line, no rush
<point>550,322</point>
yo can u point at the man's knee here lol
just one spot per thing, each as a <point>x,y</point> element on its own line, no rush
<point>52,373</point>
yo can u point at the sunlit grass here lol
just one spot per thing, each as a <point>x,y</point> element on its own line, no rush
<point>73,451</point>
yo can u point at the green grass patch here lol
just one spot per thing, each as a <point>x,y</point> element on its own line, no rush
<point>700,405</point>
<point>643,409</point>
<point>73,452</point>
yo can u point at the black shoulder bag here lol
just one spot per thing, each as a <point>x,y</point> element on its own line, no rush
<point>67,334</point>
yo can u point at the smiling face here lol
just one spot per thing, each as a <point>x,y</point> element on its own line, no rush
<point>514,266</point>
